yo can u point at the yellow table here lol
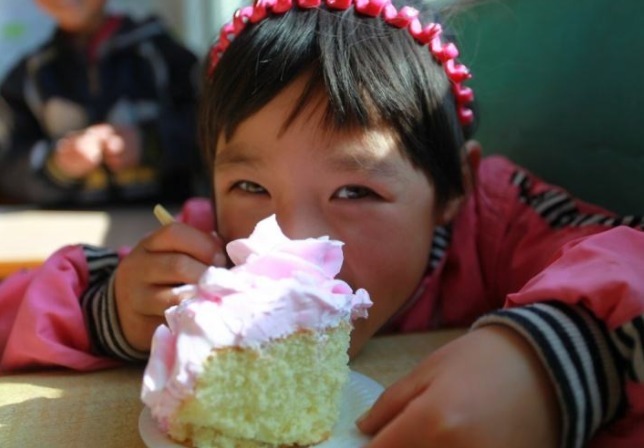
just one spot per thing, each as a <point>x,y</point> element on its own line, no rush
<point>67,409</point>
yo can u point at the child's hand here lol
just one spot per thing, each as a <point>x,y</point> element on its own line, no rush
<point>122,148</point>
<point>173,255</point>
<point>79,153</point>
<point>485,389</point>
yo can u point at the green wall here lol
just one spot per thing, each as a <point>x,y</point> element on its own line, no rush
<point>560,87</point>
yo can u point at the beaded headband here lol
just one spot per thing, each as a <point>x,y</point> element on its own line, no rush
<point>406,17</point>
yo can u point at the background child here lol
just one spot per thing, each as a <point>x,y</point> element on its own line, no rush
<point>349,119</point>
<point>103,111</point>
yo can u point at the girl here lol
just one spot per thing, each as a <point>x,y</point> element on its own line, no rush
<point>351,119</point>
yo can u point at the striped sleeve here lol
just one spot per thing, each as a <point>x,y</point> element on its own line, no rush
<point>629,341</point>
<point>581,359</point>
<point>99,308</point>
<point>559,209</point>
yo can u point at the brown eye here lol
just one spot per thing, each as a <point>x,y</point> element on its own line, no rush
<point>249,187</point>
<point>354,192</point>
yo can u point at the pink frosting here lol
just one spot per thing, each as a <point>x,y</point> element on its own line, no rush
<point>278,286</point>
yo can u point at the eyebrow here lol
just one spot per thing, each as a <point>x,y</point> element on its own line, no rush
<point>236,154</point>
<point>366,163</point>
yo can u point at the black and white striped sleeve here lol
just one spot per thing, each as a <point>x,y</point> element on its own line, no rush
<point>99,308</point>
<point>581,359</point>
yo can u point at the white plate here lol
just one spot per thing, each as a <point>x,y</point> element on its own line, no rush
<point>359,394</point>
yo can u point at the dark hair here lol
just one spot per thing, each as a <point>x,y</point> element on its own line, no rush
<point>371,73</point>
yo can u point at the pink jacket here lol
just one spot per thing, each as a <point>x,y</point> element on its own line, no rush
<point>530,243</point>
<point>517,241</point>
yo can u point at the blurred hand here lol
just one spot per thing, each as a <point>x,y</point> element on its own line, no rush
<point>79,153</point>
<point>173,255</point>
<point>485,389</point>
<point>122,148</point>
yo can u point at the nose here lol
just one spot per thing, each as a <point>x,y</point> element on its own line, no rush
<point>301,221</point>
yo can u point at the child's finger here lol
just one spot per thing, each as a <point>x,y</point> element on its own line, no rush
<point>390,404</point>
<point>101,130</point>
<point>407,429</point>
<point>171,269</point>
<point>181,238</point>
<point>114,146</point>
<point>160,300</point>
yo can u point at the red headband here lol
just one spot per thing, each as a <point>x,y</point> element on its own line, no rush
<point>407,17</point>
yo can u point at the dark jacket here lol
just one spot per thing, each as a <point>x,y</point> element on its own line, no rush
<point>133,73</point>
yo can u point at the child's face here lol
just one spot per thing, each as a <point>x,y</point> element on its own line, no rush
<point>354,187</point>
<point>74,16</point>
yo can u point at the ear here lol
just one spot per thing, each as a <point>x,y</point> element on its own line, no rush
<point>470,161</point>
